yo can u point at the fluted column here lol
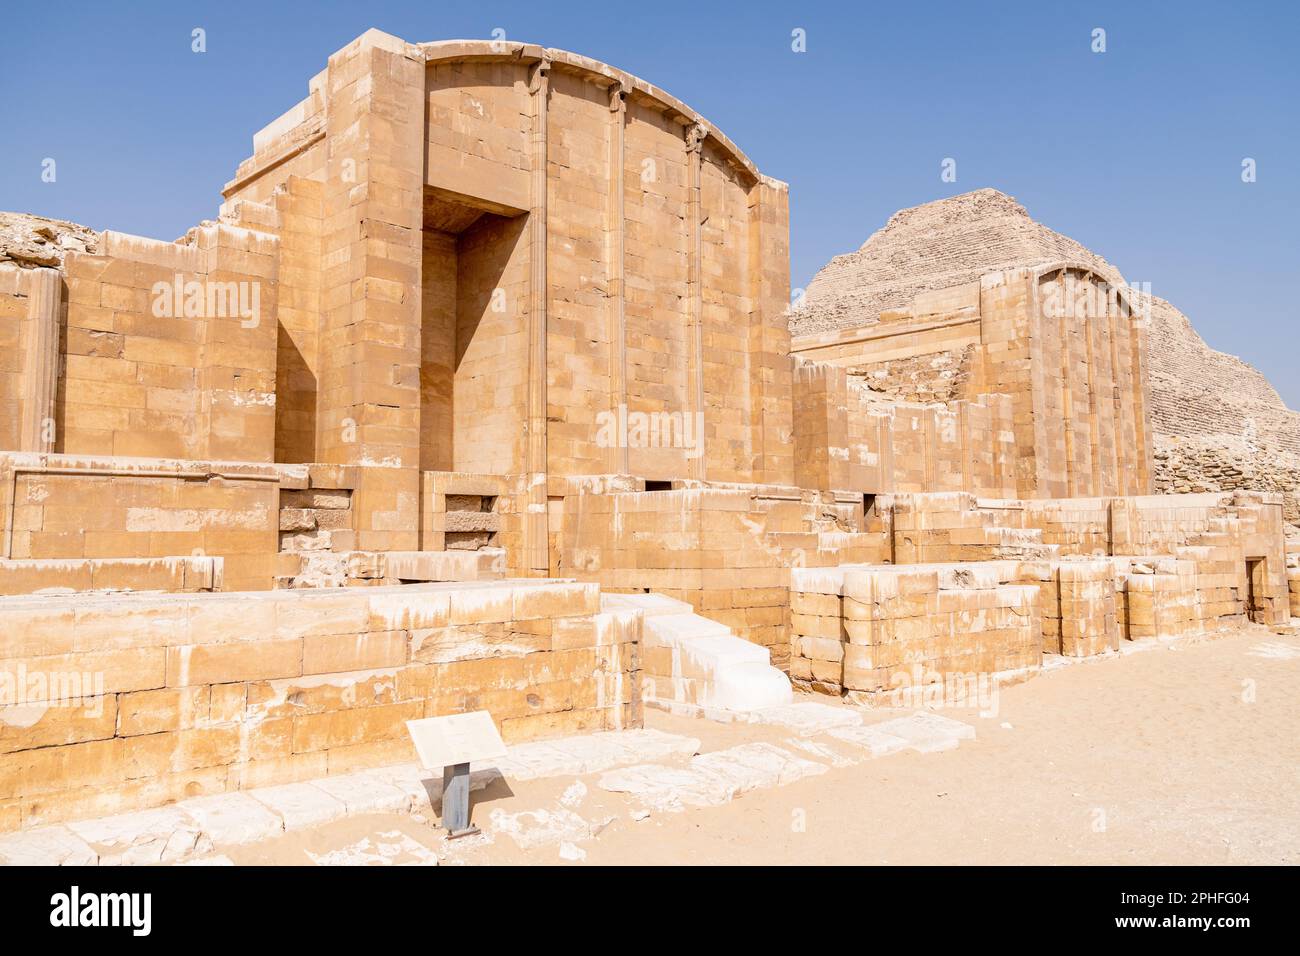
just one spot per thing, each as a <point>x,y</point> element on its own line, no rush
<point>695,136</point>
<point>536,545</point>
<point>41,363</point>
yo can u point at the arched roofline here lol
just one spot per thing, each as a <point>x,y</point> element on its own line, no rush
<point>1060,265</point>
<point>452,51</point>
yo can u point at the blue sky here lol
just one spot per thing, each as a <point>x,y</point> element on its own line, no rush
<point>1135,152</point>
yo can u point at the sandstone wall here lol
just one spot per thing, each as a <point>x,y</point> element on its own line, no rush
<point>180,372</point>
<point>846,438</point>
<point>1053,341</point>
<point>1226,551</point>
<point>1034,577</point>
<point>21,312</point>
<point>877,630</point>
<point>64,506</point>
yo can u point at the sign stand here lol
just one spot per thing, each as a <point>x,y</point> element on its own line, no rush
<point>450,743</point>
<point>455,801</point>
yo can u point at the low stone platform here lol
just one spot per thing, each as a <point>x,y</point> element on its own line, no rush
<point>658,772</point>
<point>124,702</point>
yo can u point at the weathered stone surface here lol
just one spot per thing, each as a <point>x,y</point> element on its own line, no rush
<point>164,835</point>
<point>46,846</point>
<point>927,732</point>
<point>530,829</point>
<point>233,818</point>
<point>710,779</point>
<point>300,805</point>
<point>36,241</point>
<point>808,718</point>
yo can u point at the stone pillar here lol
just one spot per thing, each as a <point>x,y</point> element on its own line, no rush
<point>771,382</point>
<point>1143,451</point>
<point>536,532</point>
<point>41,363</point>
<point>369,389</point>
<point>236,375</point>
<point>695,136</point>
<point>616,455</point>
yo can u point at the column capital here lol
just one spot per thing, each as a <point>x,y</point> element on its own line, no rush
<point>539,75</point>
<point>617,96</point>
<point>696,133</point>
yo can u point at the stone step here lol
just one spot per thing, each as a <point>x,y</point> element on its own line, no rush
<point>707,667</point>
<point>650,604</point>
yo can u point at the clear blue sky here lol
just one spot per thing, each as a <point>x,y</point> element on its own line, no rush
<point>1135,152</point>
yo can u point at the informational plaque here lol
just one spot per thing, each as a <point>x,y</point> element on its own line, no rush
<point>456,739</point>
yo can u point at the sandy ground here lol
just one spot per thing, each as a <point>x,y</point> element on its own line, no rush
<point>1182,754</point>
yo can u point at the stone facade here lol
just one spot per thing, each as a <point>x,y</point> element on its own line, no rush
<point>1062,344</point>
<point>481,390</point>
<point>1216,423</point>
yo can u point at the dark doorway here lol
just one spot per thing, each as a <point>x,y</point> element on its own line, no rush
<point>1254,587</point>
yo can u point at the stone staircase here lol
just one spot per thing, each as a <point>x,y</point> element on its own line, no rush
<point>696,665</point>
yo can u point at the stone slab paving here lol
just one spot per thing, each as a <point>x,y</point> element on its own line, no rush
<point>876,742</point>
<point>46,846</point>
<point>807,718</point>
<point>233,818</point>
<point>927,732</point>
<point>710,779</point>
<point>164,835</point>
<point>593,753</point>
<point>299,806</point>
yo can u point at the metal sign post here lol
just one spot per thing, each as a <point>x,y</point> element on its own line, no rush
<point>450,743</point>
<point>455,801</point>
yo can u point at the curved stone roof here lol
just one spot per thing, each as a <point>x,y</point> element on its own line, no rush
<point>443,51</point>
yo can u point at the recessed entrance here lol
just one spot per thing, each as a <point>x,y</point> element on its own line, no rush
<point>1255,588</point>
<point>473,364</point>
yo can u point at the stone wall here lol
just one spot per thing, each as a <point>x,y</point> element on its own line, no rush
<point>847,439</point>
<point>925,379</point>
<point>879,629</point>
<point>118,703</point>
<point>197,380</point>
<point>1055,340</point>
<point>1000,597</point>
<point>1293,582</point>
<point>726,552</point>
<point>73,507</point>
<point>585,246</point>
<point>30,312</point>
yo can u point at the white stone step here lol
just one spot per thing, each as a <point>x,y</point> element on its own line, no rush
<point>712,668</point>
<point>673,628</point>
<point>650,604</point>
